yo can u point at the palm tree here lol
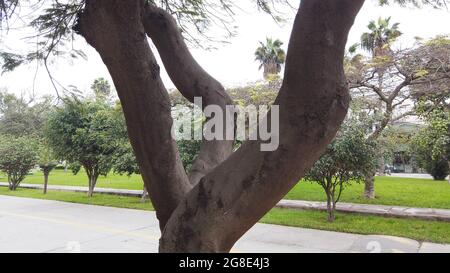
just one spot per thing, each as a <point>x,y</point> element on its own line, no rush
<point>379,38</point>
<point>271,56</point>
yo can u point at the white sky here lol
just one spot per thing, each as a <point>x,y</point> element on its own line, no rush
<point>233,63</point>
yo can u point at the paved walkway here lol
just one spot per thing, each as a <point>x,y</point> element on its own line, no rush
<point>32,225</point>
<point>413,175</point>
<point>392,211</point>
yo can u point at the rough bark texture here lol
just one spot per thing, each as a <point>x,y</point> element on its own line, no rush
<point>313,102</point>
<point>114,28</point>
<point>369,186</point>
<point>211,215</point>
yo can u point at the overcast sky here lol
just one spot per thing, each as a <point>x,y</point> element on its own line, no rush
<point>232,63</point>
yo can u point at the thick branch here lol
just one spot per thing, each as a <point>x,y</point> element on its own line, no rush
<point>374,88</point>
<point>191,80</point>
<point>313,103</point>
<point>114,28</point>
<point>387,117</point>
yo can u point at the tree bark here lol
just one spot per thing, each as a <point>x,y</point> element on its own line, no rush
<point>114,28</point>
<point>92,183</point>
<point>212,215</point>
<point>330,207</point>
<point>45,181</point>
<point>369,186</point>
<point>192,81</point>
<point>10,183</point>
<point>144,194</point>
<point>313,103</point>
<point>90,188</point>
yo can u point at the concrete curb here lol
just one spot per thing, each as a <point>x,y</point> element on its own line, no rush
<point>379,210</point>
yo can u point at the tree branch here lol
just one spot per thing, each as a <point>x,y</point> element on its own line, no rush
<point>313,103</point>
<point>192,81</point>
<point>114,28</point>
<point>387,117</point>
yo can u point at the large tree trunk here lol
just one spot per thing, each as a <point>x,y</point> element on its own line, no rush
<point>211,215</point>
<point>114,28</point>
<point>313,103</point>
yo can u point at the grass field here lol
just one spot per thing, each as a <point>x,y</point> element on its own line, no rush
<point>423,193</point>
<point>81,198</point>
<point>430,231</point>
<point>390,190</point>
<point>60,177</point>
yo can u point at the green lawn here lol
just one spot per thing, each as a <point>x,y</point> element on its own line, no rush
<point>390,190</point>
<point>60,177</point>
<point>423,193</point>
<point>81,198</point>
<point>430,231</point>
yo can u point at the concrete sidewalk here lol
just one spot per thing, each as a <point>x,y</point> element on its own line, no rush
<point>32,225</point>
<point>380,210</point>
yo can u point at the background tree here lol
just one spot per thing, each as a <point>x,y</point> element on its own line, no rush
<point>46,162</point>
<point>432,103</point>
<point>385,83</point>
<point>101,88</point>
<point>23,116</point>
<point>227,191</point>
<point>84,132</point>
<point>347,160</point>
<point>381,35</point>
<point>18,157</point>
<point>432,143</point>
<point>271,56</point>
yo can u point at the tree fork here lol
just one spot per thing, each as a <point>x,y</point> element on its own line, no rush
<point>192,81</point>
<point>313,102</point>
<point>114,28</point>
<point>230,199</point>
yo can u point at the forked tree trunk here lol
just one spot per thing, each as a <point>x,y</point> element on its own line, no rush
<point>210,213</point>
<point>13,184</point>
<point>92,183</point>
